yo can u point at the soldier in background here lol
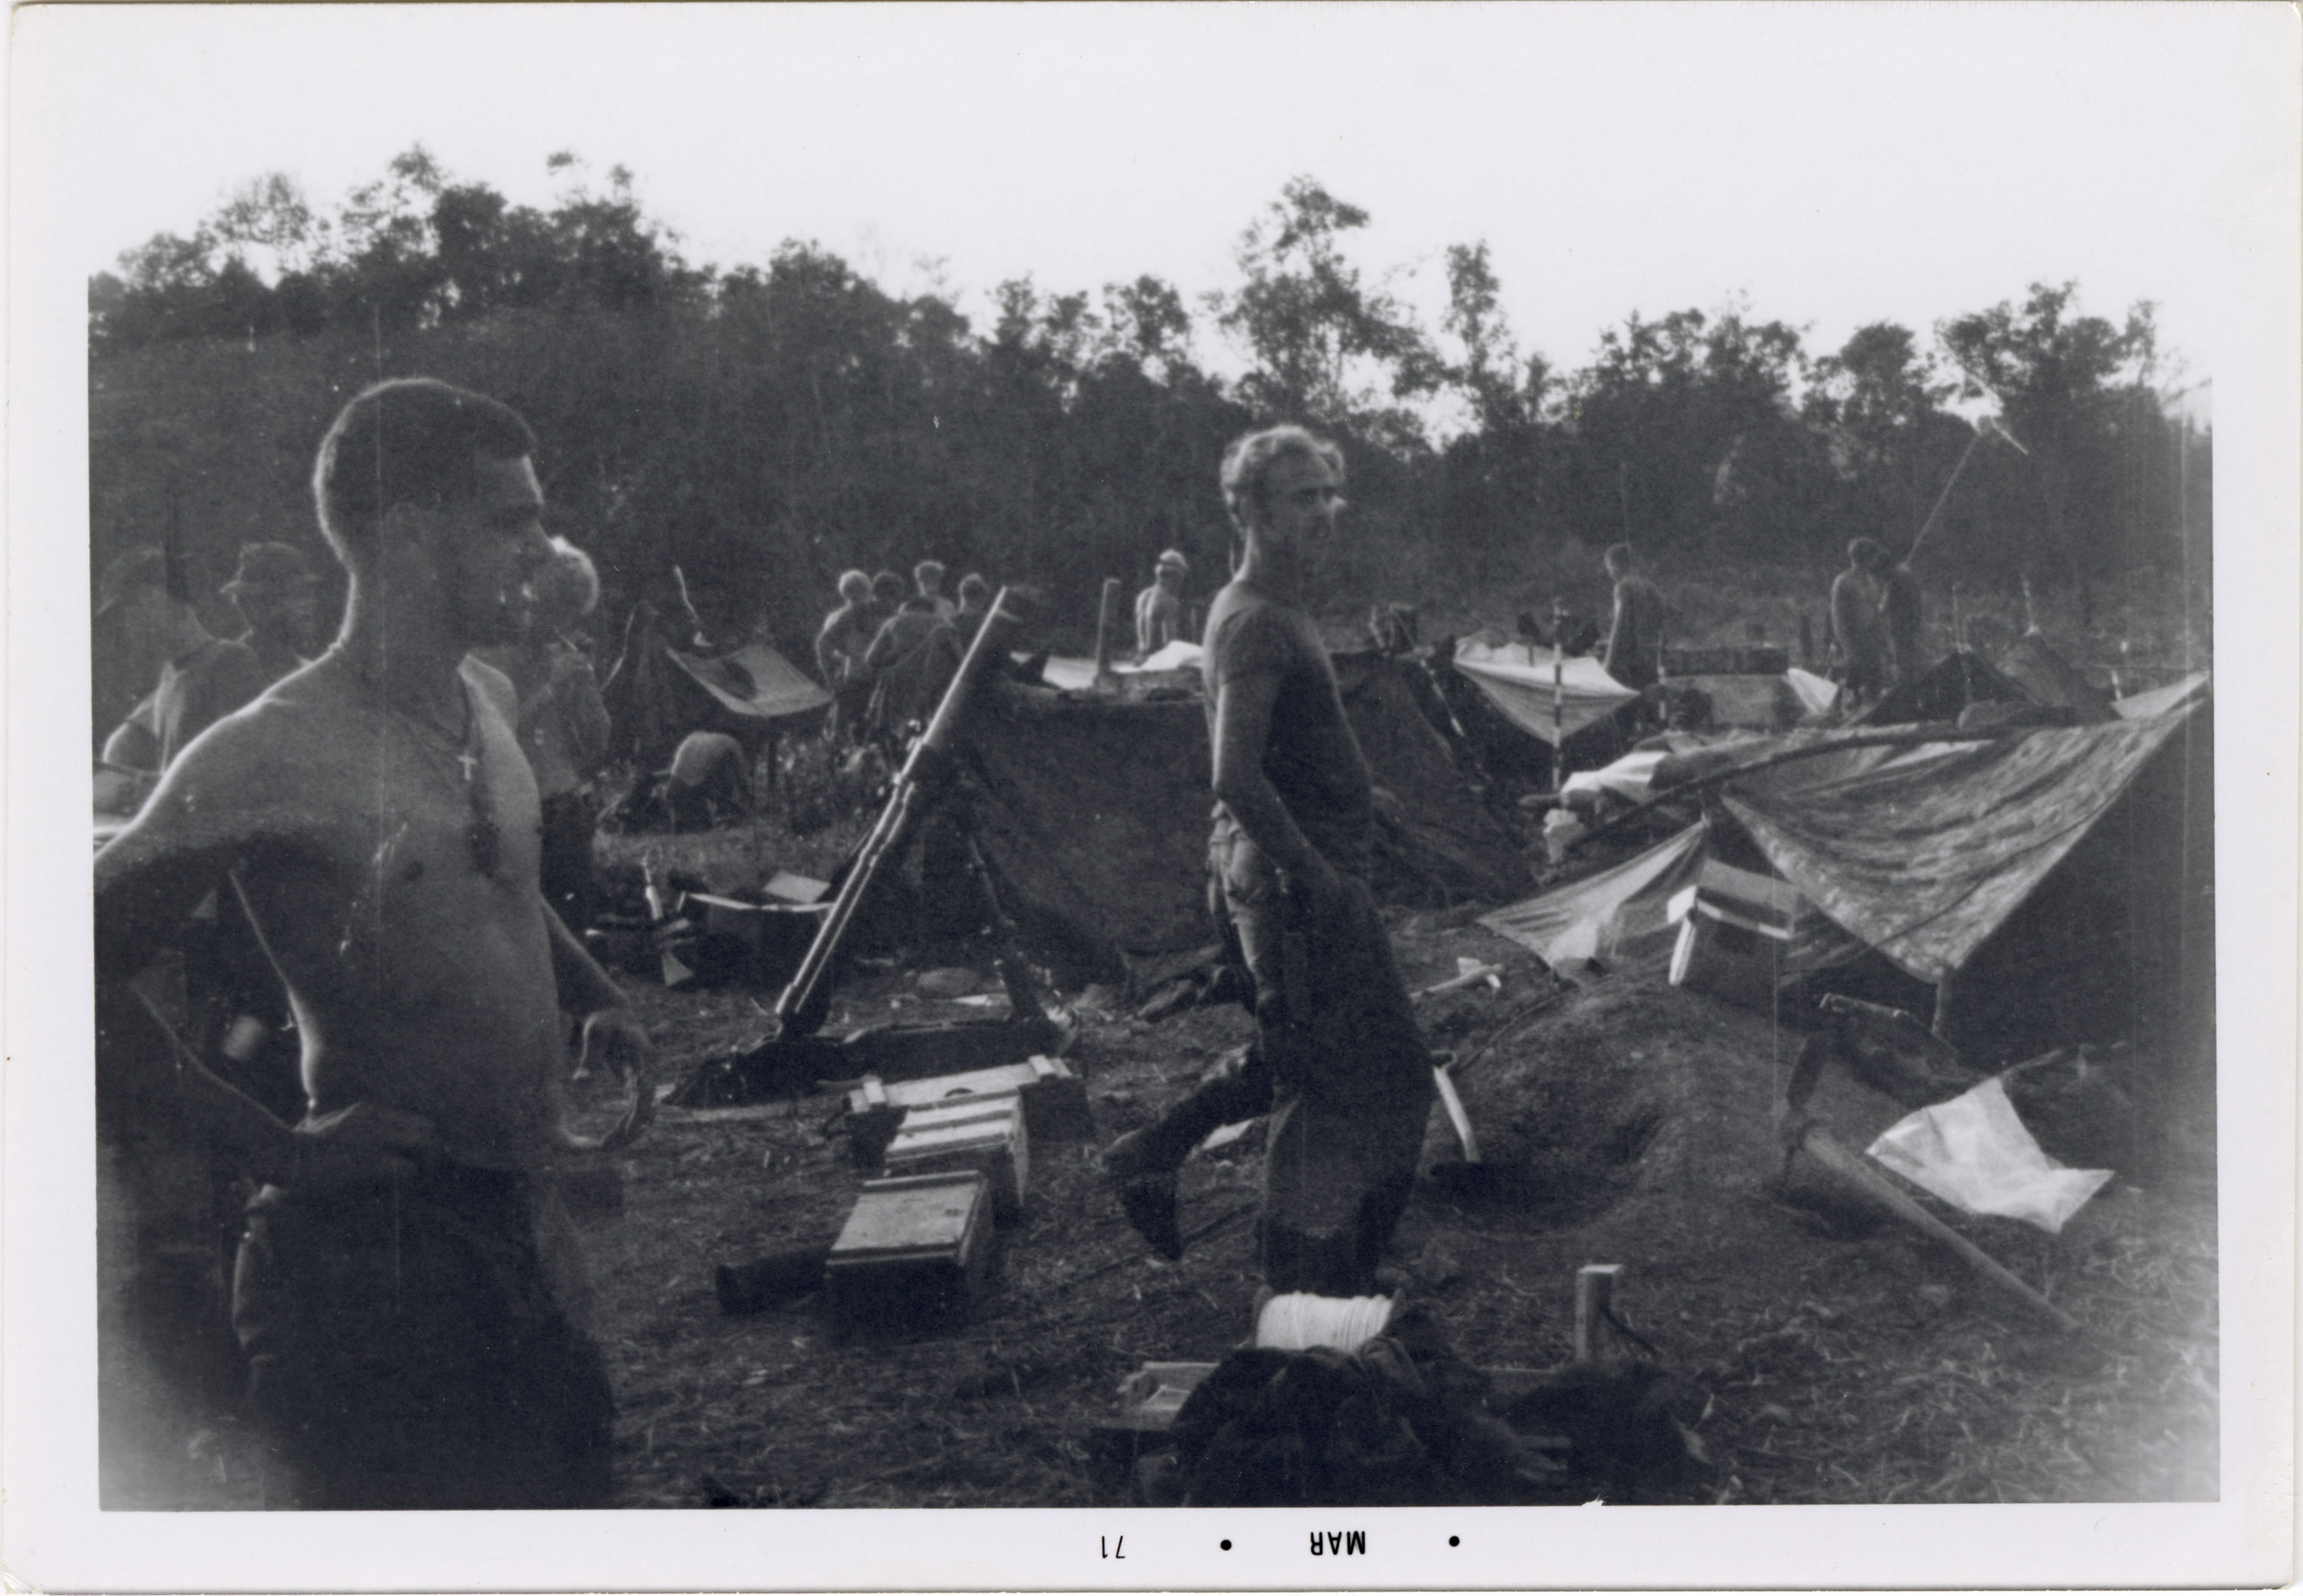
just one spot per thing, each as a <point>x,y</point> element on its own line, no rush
<point>204,678</point>
<point>839,649</point>
<point>1635,637</point>
<point>927,578</point>
<point>888,595</point>
<point>1160,608</point>
<point>1855,630</point>
<point>564,728</point>
<point>277,594</point>
<point>1900,616</point>
<point>708,781</point>
<point>974,604</point>
<point>911,660</point>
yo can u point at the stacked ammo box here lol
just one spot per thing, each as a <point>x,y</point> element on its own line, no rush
<point>955,1156</point>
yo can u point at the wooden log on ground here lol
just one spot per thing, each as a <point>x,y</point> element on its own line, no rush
<point>1595,1297</point>
<point>1829,1151</point>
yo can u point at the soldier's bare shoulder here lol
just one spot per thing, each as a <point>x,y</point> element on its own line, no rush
<point>308,724</point>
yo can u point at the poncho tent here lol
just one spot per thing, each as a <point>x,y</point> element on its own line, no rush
<point>656,694</point>
<point>1515,696</point>
<point>2033,665</point>
<point>2060,879</point>
<point>1517,678</point>
<point>1951,685</point>
<point>1093,812</point>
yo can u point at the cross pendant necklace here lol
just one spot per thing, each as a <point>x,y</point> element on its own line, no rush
<point>482,837</point>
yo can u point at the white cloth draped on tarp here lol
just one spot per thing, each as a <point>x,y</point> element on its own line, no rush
<point>1517,678</point>
<point>1617,911</point>
<point>1630,778</point>
<point>1077,674</point>
<point>754,680</point>
<point>1974,1152</point>
<point>2158,701</point>
<point>1814,693</point>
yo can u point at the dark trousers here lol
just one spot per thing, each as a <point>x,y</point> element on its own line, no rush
<point>408,1348</point>
<point>565,866</point>
<point>1347,1083</point>
<point>1862,676</point>
<point>1905,665</point>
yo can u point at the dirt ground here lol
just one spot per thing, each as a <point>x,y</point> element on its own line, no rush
<point>1840,1358</point>
<point>1837,1356</point>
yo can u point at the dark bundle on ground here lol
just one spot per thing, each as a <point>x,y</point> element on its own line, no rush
<point>1624,1425</point>
<point>1399,1422</point>
<point>2076,1104</point>
<point>1889,1051</point>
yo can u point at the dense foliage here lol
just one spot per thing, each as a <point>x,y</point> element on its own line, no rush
<point>764,426</point>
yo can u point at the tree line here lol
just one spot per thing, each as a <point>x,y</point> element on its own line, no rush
<point>763,426</point>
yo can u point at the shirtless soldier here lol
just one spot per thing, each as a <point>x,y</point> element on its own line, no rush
<point>407,1292</point>
<point>1338,1062</point>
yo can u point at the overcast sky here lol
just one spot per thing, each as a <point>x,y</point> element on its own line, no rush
<point>1832,165</point>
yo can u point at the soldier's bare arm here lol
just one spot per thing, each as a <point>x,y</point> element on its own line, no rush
<point>1619,646</point>
<point>202,817</point>
<point>614,1039</point>
<point>209,815</point>
<point>1244,706</point>
<point>583,985</point>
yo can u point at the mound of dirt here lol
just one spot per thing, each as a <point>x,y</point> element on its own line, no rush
<point>1638,1112</point>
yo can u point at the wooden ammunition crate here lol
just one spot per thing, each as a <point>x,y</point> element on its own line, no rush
<point>914,1253</point>
<point>1735,930</point>
<point>775,936</point>
<point>983,1133</point>
<point>1054,1099</point>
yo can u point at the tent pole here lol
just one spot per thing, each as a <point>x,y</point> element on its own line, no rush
<point>1946,1004</point>
<point>1942,498</point>
<point>1104,621</point>
<point>1558,695</point>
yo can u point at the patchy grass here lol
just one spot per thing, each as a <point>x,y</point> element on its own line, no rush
<point>1842,1364</point>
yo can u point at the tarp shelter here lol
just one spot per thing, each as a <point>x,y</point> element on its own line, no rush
<point>1624,912</point>
<point>754,680</point>
<point>2158,701</point>
<point>1514,680</point>
<point>2061,879</point>
<point>1960,679</point>
<point>1093,812</point>
<point>1619,912</point>
<point>656,694</point>
<point>1074,674</point>
<point>1924,860</point>
<point>1517,679</point>
<point>2032,664</point>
